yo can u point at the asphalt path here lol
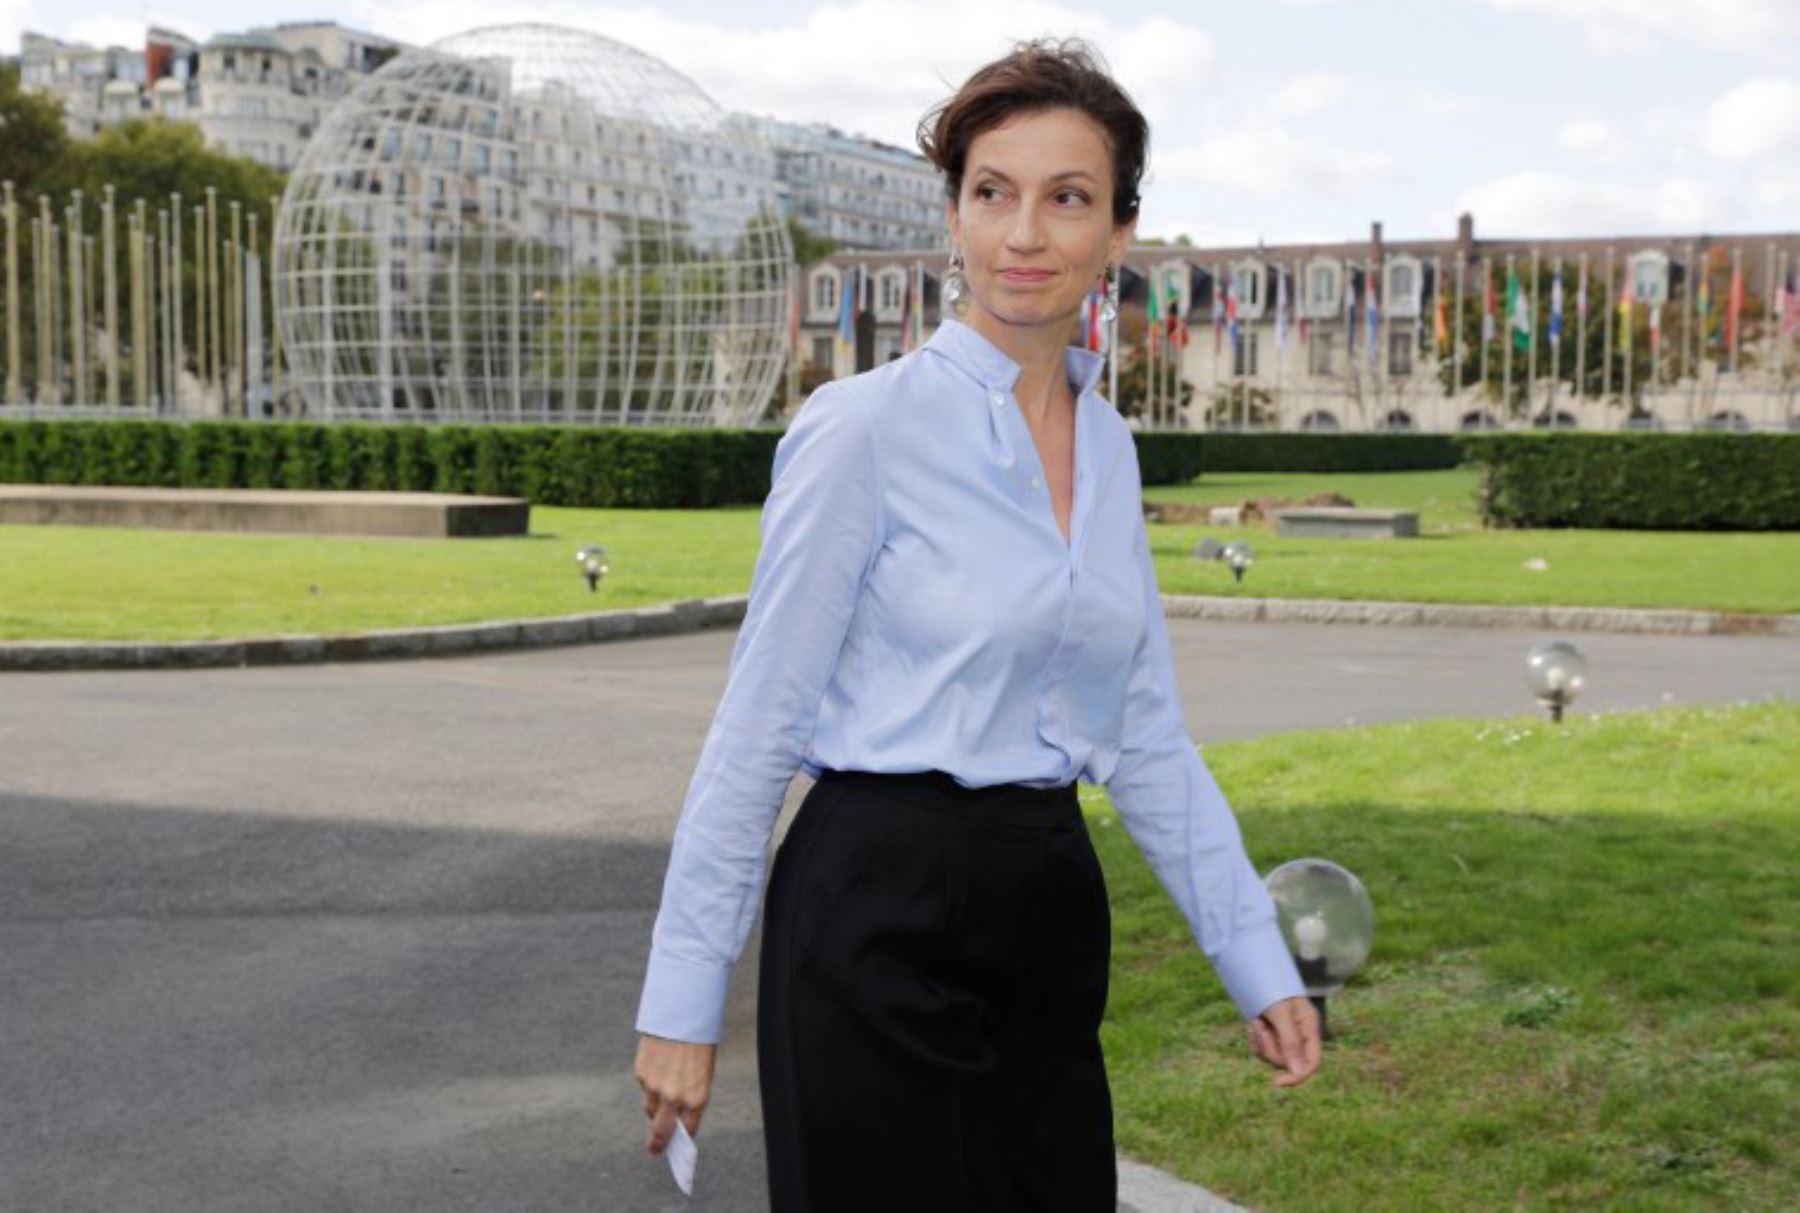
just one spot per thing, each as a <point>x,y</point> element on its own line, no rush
<point>370,937</point>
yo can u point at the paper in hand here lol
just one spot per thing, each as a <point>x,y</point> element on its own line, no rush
<point>682,1155</point>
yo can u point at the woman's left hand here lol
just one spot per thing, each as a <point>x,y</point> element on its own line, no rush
<point>1286,1035</point>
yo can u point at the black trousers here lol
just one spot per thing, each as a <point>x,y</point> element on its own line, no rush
<point>931,984</point>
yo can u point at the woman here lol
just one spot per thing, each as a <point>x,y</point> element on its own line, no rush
<point>953,618</point>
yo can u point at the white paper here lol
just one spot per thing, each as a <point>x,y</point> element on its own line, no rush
<point>682,1154</point>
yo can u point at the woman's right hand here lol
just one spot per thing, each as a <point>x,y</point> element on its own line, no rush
<point>676,1076</point>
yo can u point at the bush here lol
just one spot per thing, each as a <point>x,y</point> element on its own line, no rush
<point>1705,481</point>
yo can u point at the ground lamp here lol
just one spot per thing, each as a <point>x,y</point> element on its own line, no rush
<point>1557,671</point>
<point>1328,923</point>
<point>1236,554</point>
<point>593,564</point>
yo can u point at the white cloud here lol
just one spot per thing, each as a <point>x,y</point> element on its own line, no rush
<point>1262,155</point>
<point>1441,103</point>
<point>1547,204</point>
<point>1309,93</point>
<point>870,66</point>
<point>1756,119</point>
<point>1593,139</point>
<point>1767,28</point>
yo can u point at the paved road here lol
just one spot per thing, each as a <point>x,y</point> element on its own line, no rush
<point>370,936</point>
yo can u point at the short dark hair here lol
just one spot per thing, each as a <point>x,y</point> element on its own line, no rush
<point>1037,75</point>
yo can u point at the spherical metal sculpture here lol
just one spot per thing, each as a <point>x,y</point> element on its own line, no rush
<point>529,223</point>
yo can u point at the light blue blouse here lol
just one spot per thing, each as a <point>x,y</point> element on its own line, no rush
<point>914,606</point>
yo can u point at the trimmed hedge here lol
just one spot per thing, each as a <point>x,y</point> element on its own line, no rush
<point>1232,451</point>
<point>1705,481</point>
<point>589,466</point>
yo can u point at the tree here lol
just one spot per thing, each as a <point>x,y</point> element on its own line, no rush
<point>31,133</point>
<point>809,247</point>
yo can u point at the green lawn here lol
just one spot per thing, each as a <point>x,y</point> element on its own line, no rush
<point>1582,992</point>
<point>92,583</point>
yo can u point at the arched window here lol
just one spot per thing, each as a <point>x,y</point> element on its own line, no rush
<point>1728,419</point>
<point>1319,421</point>
<point>1478,419</point>
<point>1396,419</point>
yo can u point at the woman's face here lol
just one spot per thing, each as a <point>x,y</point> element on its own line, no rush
<point>1034,219</point>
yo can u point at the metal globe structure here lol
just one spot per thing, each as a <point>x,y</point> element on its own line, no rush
<point>534,224</point>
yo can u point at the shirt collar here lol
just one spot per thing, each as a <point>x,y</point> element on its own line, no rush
<point>968,349</point>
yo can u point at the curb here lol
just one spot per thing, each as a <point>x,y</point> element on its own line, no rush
<point>693,614</point>
<point>665,619</point>
<point>1437,614</point>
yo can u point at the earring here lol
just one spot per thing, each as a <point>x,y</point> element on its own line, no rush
<point>955,289</point>
<point>1109,296</point>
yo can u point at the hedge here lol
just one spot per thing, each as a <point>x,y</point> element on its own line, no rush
<point>1702,481</point>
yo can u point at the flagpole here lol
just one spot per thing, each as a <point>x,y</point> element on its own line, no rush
<point>1280,334</point>
<point>1581,308</point>
<point>1555,337</point>
<point>1512,285</point>
<point>1736,311</point>
<point>1531,346</point>
<point>1112,341</point>
<point>1606,319</point>
<point>1768,325</point>
<point>1626,299</point>
<point>1456,332</point>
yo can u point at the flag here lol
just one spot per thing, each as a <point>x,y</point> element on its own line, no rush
<point>918,311</point>
<point>1518,311</point>
<point>906,308</point>
<point>1218,310</point>
<point>1581,292</point>
<point>1281,303</point>
<point>1734,304</point>
<point>1153,330</point>
<point>1556,309</point>
<point>1487,302</point>
<point>794,316</point>
<point>1790,315</point>
<point>846,333</point>
<point>1371,310</point>
<point>1440,322</point>
<point>1231,312</point>
<point>1349,313</point>
<point>1177,325</point>
<point>1655,329</point>
<point>1625,314</point>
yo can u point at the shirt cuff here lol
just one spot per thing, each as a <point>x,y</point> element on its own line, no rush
<point>683,999</point>
<point>1258,970</point>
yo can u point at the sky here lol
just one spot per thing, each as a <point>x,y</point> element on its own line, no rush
<point>1273,120</point>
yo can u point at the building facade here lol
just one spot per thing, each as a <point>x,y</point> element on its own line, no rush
<point>1642,332</point>
<point>258,94</point>
<point>860,192</point>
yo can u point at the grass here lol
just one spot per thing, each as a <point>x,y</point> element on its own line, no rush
<point>93,583</point>
<point>1582,991</point>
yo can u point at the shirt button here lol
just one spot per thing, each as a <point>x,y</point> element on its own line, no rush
<point>1035,482</point>
<point>997,398</point>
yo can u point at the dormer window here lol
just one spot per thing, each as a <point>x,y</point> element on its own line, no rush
<point>1324,288</point>
<point>1402,286</point>
<point>1649,272</point>
<point>1249,282</point>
